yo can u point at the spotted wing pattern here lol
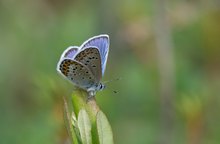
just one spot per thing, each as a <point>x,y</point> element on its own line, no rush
<point>91,58</point>
<point>77,73</point>
<point>102,43</point>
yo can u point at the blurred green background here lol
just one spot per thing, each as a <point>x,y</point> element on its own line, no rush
<point>166,52</point>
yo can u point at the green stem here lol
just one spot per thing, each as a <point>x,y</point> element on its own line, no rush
<point>80,101</point>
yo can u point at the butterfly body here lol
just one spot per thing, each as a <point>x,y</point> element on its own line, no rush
<point>84,66</point>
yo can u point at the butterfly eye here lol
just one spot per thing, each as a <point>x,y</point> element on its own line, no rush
<point>101,86</point>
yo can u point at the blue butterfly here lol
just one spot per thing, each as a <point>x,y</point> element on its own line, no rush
<point>84,66</point>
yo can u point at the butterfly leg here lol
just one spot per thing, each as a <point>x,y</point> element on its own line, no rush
<point>91,94</point>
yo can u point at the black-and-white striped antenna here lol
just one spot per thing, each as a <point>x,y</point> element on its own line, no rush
<point>112,81</point>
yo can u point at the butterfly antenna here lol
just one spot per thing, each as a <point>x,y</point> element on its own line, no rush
<point>114,91</point>
<point>112,80</point>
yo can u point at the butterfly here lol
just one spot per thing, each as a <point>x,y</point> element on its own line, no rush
<point>84,66</point>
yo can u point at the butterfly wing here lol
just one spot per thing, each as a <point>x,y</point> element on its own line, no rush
<point>70,52</point>
<point>102,43</point>
<point>77,73</point>
<point>90,57</point>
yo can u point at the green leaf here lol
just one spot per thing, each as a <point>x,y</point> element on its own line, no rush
<point>85,127</point>
<point>104,129</point>
<point>80,101</point>
<point>69,126</point>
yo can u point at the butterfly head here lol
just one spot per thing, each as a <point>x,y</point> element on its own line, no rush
<point>101,87</point>
<point>97,87</point>
<point>92,91</point>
